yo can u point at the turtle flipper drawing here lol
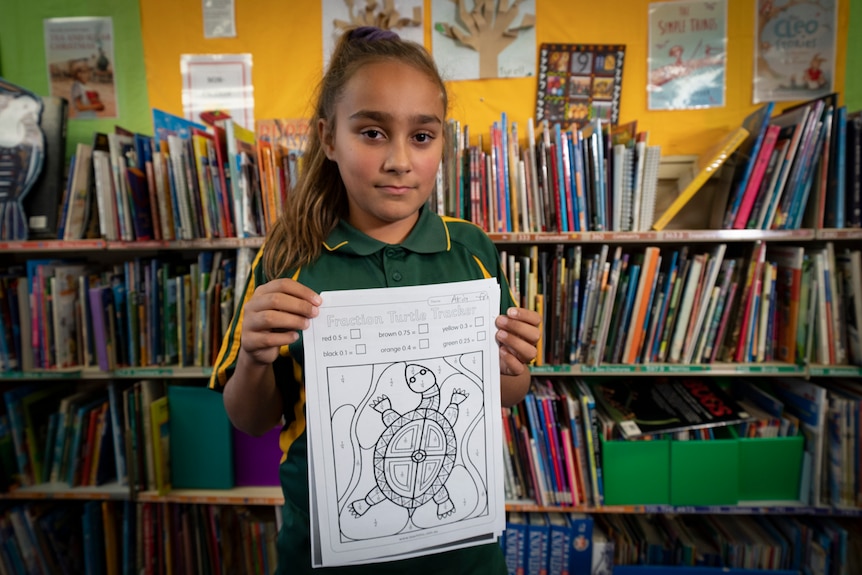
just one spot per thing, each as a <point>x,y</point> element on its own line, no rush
<point>416,452</point>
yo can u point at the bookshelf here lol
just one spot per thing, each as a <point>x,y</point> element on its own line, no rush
<point>113,256</point>
<point>265,498</point>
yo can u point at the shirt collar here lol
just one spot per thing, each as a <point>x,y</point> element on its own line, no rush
<point>429,235</point>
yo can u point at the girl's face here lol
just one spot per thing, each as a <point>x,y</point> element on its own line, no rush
<point>388,143</point>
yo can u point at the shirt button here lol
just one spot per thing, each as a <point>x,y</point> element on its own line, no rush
<point>397,276</point>
<point>390,253</point>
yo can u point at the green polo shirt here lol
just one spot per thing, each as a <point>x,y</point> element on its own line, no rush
<point>438,250</point>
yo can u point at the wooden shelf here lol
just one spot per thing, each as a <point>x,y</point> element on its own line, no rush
<point>63,491</point>
<point>744,508</point>
<point>664,236</point>
<point>768,369</point>
<point>653,369</point>
<point>840,234</point>
<point>92,373</point>
<point>235,496</point>
<point>95,246</point>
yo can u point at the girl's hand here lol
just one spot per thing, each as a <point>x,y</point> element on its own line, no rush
<point>273,317</point>
<point>518,333</point>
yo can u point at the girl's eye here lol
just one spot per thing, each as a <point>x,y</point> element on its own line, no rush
<point>373,134</point>
<point>422,138</point>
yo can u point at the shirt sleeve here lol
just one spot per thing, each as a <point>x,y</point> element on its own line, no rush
<point>229,351</point>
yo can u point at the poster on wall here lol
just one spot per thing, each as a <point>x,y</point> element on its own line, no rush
<point>218,82</point>
<point>219,17</point>
<point>794,55</point>
<point>687,54</point>
<point>404,17</point>
<point>468,43</point>
<point>579,82</point>
<point>79,53</point>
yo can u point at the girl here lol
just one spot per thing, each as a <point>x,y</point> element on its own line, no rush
<point>358,220</point>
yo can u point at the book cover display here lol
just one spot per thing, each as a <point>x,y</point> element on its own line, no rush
<point>666,406</point>
<point>687,47</point>
<point>794,51</point>
<point>579,83</point>
<point>80,58</point>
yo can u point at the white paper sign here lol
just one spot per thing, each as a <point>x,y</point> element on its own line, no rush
<point>403,405</point>
<point>218,82</point>
<point>219,19</point>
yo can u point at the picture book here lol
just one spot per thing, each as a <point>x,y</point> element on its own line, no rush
<point>707,164</point>
<point>667,406</point>
<point>579,83</point>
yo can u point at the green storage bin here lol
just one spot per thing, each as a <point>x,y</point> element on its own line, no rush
<point>636,472</point>
<point>201,440</point>
<point>770,469</point>
<point>705,472</point>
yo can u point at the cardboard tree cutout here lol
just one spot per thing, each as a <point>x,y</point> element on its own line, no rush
<point>487,29</point>
<point>387,18</point>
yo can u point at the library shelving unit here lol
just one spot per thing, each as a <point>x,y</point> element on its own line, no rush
<point>269,499</point>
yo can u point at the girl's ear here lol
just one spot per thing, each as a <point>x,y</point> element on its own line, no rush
<point>325,134</point>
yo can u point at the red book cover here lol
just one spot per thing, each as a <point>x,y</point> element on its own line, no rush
<point>82,473</point>
<point>769,141</point>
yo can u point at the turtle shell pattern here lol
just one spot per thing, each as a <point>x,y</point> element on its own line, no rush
<point>414,457</point>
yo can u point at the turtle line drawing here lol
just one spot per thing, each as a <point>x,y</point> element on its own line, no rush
<point>416,452</point>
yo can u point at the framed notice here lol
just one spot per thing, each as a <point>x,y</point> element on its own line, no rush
<point>579,82</point>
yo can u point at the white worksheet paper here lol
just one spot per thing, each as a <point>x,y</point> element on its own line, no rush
<point>403,406</point>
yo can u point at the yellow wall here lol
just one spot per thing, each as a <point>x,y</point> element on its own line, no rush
<point>284,38</point>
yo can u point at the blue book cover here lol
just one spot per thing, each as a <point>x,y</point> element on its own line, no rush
<point>561,192</point>
<point>543,462</point>
<point>839,172</point>
<point>165,124</point>
<point>559,544</point>
<point>581,537</point>
<point>853,174</point>
<point>668,285</point>
<point>634,275</point>
<point>516,536</point>
<point>756,124</point>
<point>536,556</point>
<point>504,153</point>
<point>575,182</point>
<point>807,173</point>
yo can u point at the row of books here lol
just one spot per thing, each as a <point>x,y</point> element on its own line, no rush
<point>598,178</point>
<point>217,179</point>
<point>136,537</point>
<point>186,181</point>
<point>553,439</point>
<point>778,302</point>
<point>691,306</point>
<point>789,544</point>
<point>92,436</point>
<point>64,313</point>
<point>798,168</point>
<point>129,436</point>
<point>570,543</point>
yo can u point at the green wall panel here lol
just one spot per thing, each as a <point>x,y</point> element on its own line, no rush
<point>22,57</point>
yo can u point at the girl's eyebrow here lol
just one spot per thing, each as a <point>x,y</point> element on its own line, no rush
<point>378,116</point>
